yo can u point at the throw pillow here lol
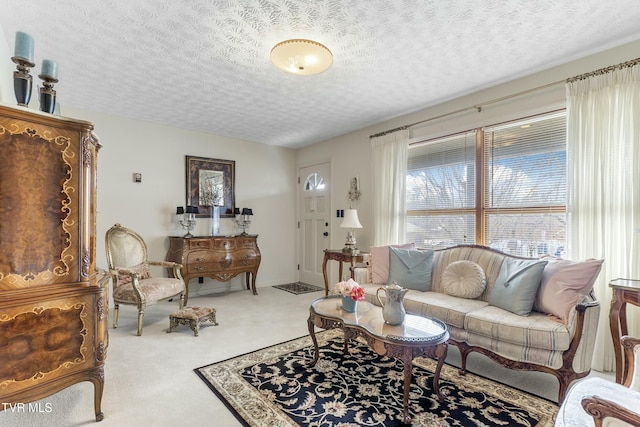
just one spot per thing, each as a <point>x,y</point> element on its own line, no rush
<point>411,268</point>
<point>142,269</point>
<point>564,284</point>
<point>464,279</point>
<point>380,262</point>
<point>517,285</point>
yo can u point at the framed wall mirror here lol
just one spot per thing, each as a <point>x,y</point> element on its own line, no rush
<point>211,182</point>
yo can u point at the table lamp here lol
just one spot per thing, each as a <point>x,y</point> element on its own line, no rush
<point>351,221</point>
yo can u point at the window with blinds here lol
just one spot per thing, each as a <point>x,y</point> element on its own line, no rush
<point>440,191</point>
<point>503,186</point>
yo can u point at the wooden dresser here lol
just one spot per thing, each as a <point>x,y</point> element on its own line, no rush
<point>53,300</point>
<point>218,257</point>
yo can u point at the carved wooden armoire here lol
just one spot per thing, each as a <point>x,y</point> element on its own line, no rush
<point>53,299</point>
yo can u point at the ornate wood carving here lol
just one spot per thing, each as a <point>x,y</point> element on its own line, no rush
<point>218,257</point>
<point>53,307</point>
<point>38,183</point>
<point>600,409</point>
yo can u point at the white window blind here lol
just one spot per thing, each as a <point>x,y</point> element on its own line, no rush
<point>503,186</point>
<point>441,181</point>
<point>525,186</point>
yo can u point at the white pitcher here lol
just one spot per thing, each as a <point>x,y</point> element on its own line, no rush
<point>393,311</point>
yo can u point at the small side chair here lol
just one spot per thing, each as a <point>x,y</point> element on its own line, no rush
<point>130,275</point>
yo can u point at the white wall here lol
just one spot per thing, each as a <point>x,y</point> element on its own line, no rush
<point>6,71</point>
<point>352,152</point>
<point>265,182</point>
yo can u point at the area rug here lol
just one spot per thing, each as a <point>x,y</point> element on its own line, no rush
<point>275,387</point>
<point>298,288</point>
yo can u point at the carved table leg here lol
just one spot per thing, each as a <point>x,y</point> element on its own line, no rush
<point>615,319</point>
<point>312,332</point>
<point>324,273</point>
<point>407,359</point>
<point>441,354</point>
<point>253,282</point>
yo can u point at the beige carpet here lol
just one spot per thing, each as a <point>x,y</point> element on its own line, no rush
<point>149,380</point>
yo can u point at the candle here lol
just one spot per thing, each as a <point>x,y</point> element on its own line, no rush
<point>24,46</point>
<point>49,68</point>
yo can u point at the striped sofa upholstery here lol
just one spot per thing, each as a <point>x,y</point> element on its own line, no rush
<point>538,342</point>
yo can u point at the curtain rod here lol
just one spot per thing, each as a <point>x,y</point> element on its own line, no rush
<point>473,107</point>
<point>605,70</point>
<point>478,107</point>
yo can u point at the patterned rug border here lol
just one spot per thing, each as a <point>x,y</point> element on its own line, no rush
<point>294,288</point>
<point>220,396</point>
<point>522,398</point>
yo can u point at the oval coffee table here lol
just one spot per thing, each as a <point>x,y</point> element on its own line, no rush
<point>417,336</point>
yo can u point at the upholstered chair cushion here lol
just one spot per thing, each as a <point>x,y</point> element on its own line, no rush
<point>464,279</point>
<point>154,289</point>
<point>380,262</point>
<point>517,285</point>
<point>124,277</point>
<point>411,268</point>
<point>564,284</point>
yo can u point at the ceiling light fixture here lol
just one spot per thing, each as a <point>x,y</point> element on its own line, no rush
<point>300,56</point>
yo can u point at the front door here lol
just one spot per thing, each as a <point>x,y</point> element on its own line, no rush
<point>313,226</point>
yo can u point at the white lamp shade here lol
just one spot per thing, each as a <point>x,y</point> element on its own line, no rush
<point>301,56</point>
<point>351,219</point>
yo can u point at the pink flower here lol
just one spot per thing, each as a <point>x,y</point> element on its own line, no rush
<point>357,293</point>
<point>350,288</point>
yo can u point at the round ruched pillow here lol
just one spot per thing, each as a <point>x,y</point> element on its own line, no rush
<point>464,279</point>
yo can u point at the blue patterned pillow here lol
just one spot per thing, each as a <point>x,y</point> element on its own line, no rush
<point>517,285</point>
<point>411,268</point>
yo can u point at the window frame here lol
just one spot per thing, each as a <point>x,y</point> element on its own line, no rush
<point>482,211</point>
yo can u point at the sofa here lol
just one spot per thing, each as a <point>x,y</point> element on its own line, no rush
<point>532,314</point>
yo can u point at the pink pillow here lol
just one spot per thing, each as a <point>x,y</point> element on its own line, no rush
<point>564,284</point>
<point>380,262</point>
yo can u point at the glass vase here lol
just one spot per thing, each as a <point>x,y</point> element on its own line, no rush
<point>215,220</point>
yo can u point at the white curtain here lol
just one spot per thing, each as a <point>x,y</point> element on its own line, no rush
<point>603,160</point>
<point>390,155</point>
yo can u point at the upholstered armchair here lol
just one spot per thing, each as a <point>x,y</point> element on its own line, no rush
<point>598,402</point>
<point>131,277</point>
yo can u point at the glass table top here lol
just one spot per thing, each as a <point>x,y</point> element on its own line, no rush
<point>369,317</point>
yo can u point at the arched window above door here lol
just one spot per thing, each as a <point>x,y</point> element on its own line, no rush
<point>314,182</point>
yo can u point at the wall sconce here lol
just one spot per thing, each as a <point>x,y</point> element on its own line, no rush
<point>354,190</point>
<point>351,221</point>
<point>188,220</point>
<point>242,219</point>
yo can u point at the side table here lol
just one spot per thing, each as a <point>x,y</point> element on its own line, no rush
<point>624,291</point>
<point>341,257</point>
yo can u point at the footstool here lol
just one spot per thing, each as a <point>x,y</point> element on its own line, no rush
<point>192,316</point>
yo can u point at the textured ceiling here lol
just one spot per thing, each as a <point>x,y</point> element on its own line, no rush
<point>204,64</point>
